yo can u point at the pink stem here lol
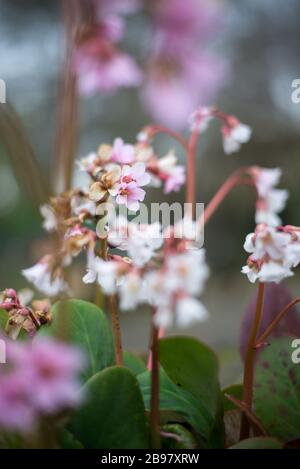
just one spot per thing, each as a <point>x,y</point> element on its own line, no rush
<point>159,129</point>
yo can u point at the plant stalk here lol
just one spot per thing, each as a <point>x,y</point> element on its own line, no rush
<point>113,309</point>
<point>154,406</point>
<point>249,362</point>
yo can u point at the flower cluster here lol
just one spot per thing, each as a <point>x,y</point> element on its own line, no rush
<point>270,201</point>
<point>273,253</point>
<point>234,133</point>
<point>117,174</point>
<point>169,279</point>
<point>41,379</point>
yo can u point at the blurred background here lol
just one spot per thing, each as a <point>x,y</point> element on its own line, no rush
<point>251,58</point>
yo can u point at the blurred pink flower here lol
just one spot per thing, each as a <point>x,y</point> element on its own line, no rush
<point>52,369</point>
<point>180,73</point>
<point>16,411</point>
<point>100,66</point>
<point>122,153</point>
<point>172,88</point>
<point>40,377</point>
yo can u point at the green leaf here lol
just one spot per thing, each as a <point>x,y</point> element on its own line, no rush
<point>23,335</point>
<point>193,367</point>
<point>86,326</point>
<point>175,436</point>
<point>134,363</point>
<point>258,443</point>
<point>3,319</point>
<point>235,390</point>
<point>66,440</point>
<point>113,416</point>
<point>277,390</point>
<point>178,400</point>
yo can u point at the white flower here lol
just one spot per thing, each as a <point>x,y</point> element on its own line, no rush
<point>270,201</point>
<point>104,272</point>
<point>267,241</point>
<point>190,310</point>
<point>266,179</point>
<point>187,271</point>
<point>234,136</point>
<point>87,163</point>
<point>273,254</point>
<point>130,291</point>
<point>118,232</point>
<point>156,290</point>
<point>163,317</point>
<point>50,220</point>
<point>41,277</point>
<point>143,241</point>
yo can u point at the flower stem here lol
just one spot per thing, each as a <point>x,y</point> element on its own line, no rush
<point>277,319</point>
<point>249,362</point>
<point>159,129</point>
<point>114,314</point>
<point>154,406</point>
<point>191,172</point>
<point>233,180</point>
<point>113,307</point>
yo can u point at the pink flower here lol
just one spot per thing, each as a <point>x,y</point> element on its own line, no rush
<point>173,86</point>
<point>52,369</point>
<point>172,174</point>
<point>41,378</point>
<point>16,411</point>
<point>129,190</point>
<point>100,66</point>
<point>122,153</point>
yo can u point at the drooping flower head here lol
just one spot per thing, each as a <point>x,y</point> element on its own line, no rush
<point>273,253</point>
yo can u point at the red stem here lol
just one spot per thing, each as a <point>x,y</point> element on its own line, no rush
<point>191,172</point>
<point>154,405</point>
<point>249,362</point>
<point>233,180</point>
<point>159,129</point>
<point>274,323</point>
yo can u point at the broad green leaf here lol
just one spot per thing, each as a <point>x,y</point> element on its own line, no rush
<point>134,363</point>
<point>178,400</point>
<point>113,416</point>
<point>277,390</point>
<point>258,443</point>
<point>193,367</point>
<point>86,326</point>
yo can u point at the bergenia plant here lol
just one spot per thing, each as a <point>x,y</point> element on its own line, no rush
<point>65,379</point>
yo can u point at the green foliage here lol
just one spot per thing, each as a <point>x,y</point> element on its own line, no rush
<point>175,436</point>
<point>3,319</point>
<point>258,443</point>
<point>189,387</point>
<point>235,390</point>
<point>277,390</point>
<point>86,326</point>
<point>134,363</point>
<point>113,416</point>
